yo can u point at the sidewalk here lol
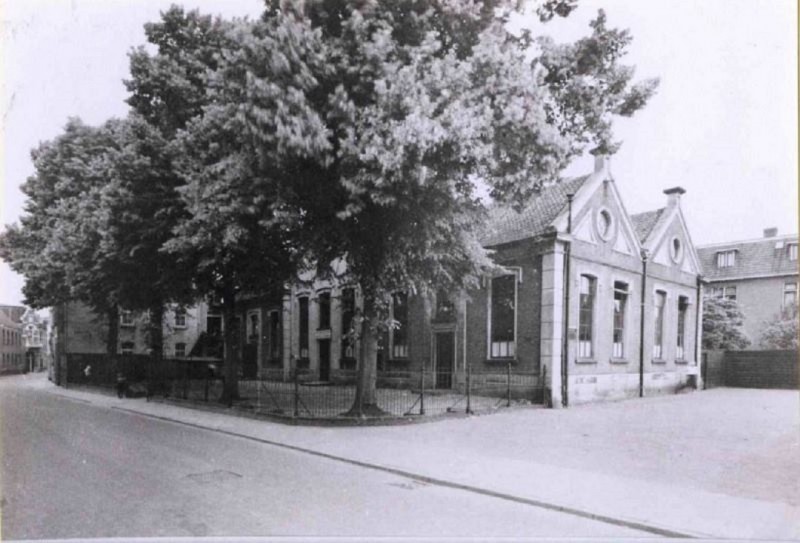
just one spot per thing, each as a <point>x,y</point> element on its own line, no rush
<point>473,454</point>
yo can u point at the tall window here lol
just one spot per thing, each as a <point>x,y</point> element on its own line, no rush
<point>275,335</point>
<point>792,251</point>
<point>726,259</point>
<point>789,294</point>
<point>400,331</point>
<point>180,317</point>
<point>683,305</point>
<point>586,316</point>
<point>180,350</point>
<point>445,310</point>
<point>126,318</point>
<point>658,321</point>
<point>503,316</point>
<point>253,329</point>
<point>620,301</point>
<point>348,312</point>
<point>303,302</point>
<point>324,303</point>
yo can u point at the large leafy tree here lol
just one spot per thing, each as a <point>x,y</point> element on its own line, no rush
<point>59,245</point>
<point>781,332</point>
<point>371,123</point>
<point>722,325</point>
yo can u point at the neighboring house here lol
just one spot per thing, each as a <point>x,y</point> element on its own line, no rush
<point>12,349</point>
<point>582,338</point>
<point>36,338</point>
<point>78,330</point>
<point>760,274</point>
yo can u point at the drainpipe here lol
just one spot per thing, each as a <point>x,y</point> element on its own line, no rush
<point>641,323</point>
<point>565,330</point>
<point>697,324</point>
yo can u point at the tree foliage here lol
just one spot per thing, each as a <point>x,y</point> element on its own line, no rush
<point>781,332</point>
<point>722,325</point>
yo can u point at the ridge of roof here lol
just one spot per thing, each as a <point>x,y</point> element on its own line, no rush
<point>506,225</point>
<point>784,237</point>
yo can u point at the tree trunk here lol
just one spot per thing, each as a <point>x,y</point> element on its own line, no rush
<point>112,338</point>
<point>366,402</point>
<point>230,391</point>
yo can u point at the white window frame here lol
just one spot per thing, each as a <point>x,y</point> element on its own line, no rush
<point>792,248</point>
<point>126,318</point>
<point>658,348</point>
<point>789,287</point>
<point>399,352</point>
<point>183,355</point>
<point>680,332</point>
<point>586,350</point>
<point>507,347</point>
<point>179,316</point>
<point>618,353</point>
<point>726,259</point>
<point>125,350</point>
<point>253,336</point>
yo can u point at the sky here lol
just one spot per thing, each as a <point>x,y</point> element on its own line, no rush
<point>723,123</point>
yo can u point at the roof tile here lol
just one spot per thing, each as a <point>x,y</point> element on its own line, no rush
<point>754,258</point>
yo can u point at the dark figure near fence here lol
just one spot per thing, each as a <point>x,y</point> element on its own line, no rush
<point>122,385</point>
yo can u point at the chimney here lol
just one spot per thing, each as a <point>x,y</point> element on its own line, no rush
<point>674,196</point>
<point>770,232</point>
<point>601,164</point>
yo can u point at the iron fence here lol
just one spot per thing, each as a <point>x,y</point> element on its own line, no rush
<point>300,394</point>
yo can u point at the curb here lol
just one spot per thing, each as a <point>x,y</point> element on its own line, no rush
<point>625,523</point>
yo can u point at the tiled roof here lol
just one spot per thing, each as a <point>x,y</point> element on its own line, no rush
<point>754,258</point>
<point>506,225</point>
<point>644,223</point>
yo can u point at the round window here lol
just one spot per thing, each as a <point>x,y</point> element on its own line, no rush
<point>676,250</point>
<point>604,223</point>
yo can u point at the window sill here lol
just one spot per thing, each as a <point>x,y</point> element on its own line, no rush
<point>585,361</point>
<point>659,361</point>
<point>682,362</point>
<point>618,360</point>
<point>501,361</point>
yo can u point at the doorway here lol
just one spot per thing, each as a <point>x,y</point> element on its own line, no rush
<point>445,359</point>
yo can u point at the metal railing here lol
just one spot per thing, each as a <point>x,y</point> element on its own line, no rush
<point>300,394</point>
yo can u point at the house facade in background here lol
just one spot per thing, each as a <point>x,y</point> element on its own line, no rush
<point>760,274</point>
<point>36,338</point>
<point>79,330</point>
<point>12,347</point>
<point>594,303</point>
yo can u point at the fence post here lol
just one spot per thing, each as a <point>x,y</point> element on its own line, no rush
<point>149,372</point>
<point>296,393</point>
<point>205,392</point>
<point>422,388</point>
<point>508,383</point>
<point>469,389</point>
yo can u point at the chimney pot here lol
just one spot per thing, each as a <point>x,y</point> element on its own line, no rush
<point>674,195</point>
<point>770,232</point>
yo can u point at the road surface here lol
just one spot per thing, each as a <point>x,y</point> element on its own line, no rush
<point>77,470</point>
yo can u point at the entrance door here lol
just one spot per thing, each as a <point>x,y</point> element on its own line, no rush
<point>324,359</point>
<point>445,359</point>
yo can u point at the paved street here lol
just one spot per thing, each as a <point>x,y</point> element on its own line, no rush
<point>72,469</point>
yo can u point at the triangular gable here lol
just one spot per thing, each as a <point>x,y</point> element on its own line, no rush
<point>658,242</point>
<point>584,231</point>
<point>630,244</point>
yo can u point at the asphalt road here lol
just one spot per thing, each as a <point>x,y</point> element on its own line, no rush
<point>76,470</point>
